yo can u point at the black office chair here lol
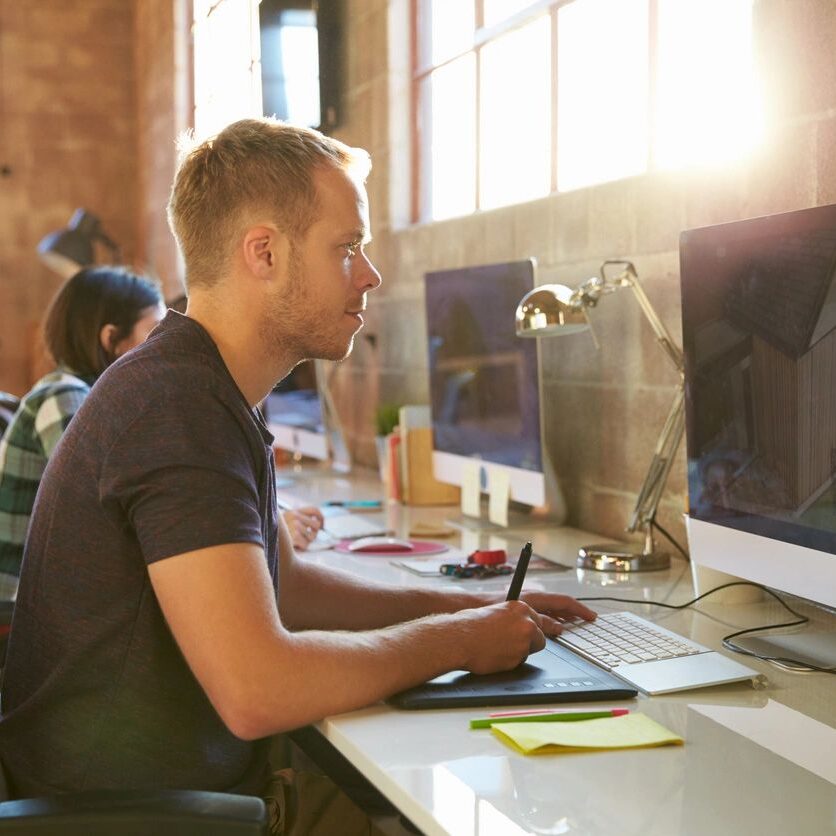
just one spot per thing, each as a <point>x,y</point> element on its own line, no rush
<point>135,813</point>
<point>127,813</point>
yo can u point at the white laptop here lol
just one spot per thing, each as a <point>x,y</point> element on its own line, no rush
<point>653,659</point>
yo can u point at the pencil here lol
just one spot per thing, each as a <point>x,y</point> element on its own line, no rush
<point>559,717</point>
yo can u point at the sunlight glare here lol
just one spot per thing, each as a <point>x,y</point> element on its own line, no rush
<point>498,10</point>
<point>602,99</point>
<point>452,121</point>
<point>451,28</point>
<point>515,139</point>
<point>709,105</point>
<point>300,54</point>
<point>226,88</point>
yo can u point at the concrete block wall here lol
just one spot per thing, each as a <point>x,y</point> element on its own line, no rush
<point>604,408</point>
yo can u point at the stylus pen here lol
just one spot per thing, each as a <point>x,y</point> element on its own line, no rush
<point>354,503</point>
<point>519,574</point>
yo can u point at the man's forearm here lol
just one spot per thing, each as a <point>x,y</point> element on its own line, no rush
<point>325,598</point>
<point>328,672</point>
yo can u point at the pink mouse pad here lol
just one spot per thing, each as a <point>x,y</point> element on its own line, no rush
<point>419,547</point>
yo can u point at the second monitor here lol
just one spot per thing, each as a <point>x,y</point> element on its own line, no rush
<point>303,420</point>
<point>485,383</point>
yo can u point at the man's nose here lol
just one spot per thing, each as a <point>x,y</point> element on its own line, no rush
<point>367,276</point>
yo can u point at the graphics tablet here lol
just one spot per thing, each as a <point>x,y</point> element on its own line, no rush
<point>553,675</point>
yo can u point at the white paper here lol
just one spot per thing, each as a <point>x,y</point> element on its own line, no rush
<point>499,493</point>
<point>471,493</point>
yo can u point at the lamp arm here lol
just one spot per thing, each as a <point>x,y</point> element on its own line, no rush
<point>660,466</point>
<point>630,278</point>
<point>647,503</point>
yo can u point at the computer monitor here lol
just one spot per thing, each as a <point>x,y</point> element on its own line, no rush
<point>759,337</point>
<point>294,414</point>
<point>484,380</point>
<point>302,419</point>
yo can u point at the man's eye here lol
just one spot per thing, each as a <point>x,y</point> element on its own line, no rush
<point>351,249</point>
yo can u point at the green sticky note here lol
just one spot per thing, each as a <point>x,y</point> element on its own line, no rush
<point>632,731</point>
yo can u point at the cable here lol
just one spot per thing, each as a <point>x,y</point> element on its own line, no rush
<point>792,664</point>
<point>671,539</point>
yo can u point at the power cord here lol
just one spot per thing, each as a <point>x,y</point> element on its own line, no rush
<point>791,664</point>
<point>671,540</point>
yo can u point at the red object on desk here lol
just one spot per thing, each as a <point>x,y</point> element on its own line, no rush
<point>488,557</point>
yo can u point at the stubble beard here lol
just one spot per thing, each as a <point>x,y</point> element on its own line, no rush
<point>291,327</point>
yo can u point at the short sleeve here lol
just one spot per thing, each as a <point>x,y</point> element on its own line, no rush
<point>54,415</point>
<point>185,478</point>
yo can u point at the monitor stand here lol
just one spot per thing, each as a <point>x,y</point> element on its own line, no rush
<point>809,647</point>
<point>517,521</point>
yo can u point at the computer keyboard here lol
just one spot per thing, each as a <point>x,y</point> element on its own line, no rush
<point>351,526</point>
<point>620,638</point>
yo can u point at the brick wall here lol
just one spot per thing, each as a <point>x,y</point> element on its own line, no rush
<point>67,139</point>
<point>163,68</point>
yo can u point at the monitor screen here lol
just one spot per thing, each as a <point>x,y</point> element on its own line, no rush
<point>484,380</point>
<point>293,411</point>
<point>759,337</point>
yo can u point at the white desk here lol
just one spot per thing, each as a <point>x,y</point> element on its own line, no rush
<point>754,762</point>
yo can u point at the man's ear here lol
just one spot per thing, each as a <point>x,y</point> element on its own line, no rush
<point>265,250</point>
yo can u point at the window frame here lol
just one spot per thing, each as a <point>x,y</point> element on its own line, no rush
<point>420,213</point>
<point>199,98</point>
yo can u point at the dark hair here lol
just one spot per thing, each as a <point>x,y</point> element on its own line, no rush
<point>92,298</point>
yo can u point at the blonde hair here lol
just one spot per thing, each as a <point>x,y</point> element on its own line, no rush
<point>253,166</point>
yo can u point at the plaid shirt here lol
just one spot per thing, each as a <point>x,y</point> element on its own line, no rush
<point>27,444</point>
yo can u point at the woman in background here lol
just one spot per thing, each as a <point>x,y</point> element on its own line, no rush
<point>95,318</point>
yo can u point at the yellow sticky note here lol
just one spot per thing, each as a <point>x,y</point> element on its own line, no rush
<point>471,492</point>
<point>499,492</point>
<point>632,731</point>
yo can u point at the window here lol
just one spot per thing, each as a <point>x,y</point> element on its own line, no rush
<point>227,69</point>
<point>514,99</point>
<point>290,63</point>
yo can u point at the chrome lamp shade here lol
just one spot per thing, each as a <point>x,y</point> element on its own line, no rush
<point>550,310</point>
<point>556,310</point>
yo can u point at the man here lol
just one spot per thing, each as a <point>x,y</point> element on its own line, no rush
<point>164,627</point>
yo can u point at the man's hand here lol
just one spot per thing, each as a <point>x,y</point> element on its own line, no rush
<point>499,637</point>
<point>502,635</point>
<point>556,609</point>
<point>303,524</point>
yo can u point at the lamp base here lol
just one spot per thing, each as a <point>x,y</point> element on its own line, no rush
<point>616,557</point>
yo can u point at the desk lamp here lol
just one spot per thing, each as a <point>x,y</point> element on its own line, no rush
<point>553,310</point>
<point>67,250</point>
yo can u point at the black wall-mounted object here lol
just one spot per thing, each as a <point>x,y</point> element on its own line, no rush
<point>283,76</point>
